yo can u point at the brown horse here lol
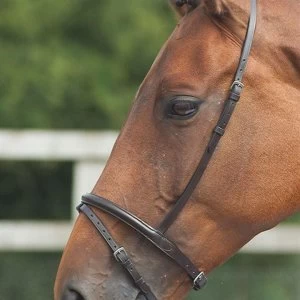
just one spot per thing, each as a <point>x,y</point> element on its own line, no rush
<point>253,180</point>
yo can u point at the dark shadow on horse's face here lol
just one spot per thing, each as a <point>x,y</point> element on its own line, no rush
<point>251,184</point>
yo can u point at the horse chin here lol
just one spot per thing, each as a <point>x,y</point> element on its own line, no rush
<point>73,294</point>
<point>140,296</point>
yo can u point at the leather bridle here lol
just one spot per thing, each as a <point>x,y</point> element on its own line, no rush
<point>157,235</point>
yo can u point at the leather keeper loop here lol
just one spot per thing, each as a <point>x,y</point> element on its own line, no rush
<point>233,96</point>
<point>220,131</point>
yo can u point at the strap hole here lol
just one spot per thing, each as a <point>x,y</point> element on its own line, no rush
<point>92,216</point>
<point>115,246</point>
<point>109,239</point>
<point>98,223</point>
<point>103,230</point>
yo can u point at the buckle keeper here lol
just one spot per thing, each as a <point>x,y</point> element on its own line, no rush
<point>219,130</point>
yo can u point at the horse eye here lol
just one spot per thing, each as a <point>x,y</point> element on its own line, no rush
<point>183,107</point>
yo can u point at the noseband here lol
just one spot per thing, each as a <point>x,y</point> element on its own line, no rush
<point>157,235</point>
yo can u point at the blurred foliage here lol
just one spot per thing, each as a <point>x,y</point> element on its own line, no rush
<point>31,190</point>
<point>76,64</point>
<point>293,219</point>
<point>27,276</point>
<point>254,277</point>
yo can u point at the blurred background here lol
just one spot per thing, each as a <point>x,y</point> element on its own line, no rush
<point>69,71</point>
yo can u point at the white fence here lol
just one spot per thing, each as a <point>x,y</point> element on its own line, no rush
<point>89,151</point>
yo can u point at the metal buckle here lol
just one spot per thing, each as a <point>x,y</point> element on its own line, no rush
<point>200,281</point>
<point>117,252</point>
<point>238,83</point>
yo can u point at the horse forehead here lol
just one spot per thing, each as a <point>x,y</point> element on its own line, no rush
<point>194,24</point>
<point>193,43</point>
<point>185,56</point>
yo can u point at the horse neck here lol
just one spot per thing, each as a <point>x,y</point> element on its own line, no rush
<point>277,35</point>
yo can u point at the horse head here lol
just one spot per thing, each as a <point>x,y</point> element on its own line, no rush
<point>252,180</point>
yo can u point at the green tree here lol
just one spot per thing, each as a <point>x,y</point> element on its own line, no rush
<point>76,64</point>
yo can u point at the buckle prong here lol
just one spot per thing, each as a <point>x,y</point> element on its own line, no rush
<point>238,83</point>
<point>118,251</point>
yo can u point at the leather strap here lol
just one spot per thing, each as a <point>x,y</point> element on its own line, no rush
<point>153,235</point>
<point>233,98</point>
<point>119,252</point>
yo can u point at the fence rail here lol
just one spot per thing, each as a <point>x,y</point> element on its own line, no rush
<point>52,236</point>
<point>89,151</point>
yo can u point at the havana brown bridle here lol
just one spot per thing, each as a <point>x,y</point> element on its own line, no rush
<point>156,235</point>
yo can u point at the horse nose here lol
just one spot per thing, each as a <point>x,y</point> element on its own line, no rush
<point>71,294</point>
